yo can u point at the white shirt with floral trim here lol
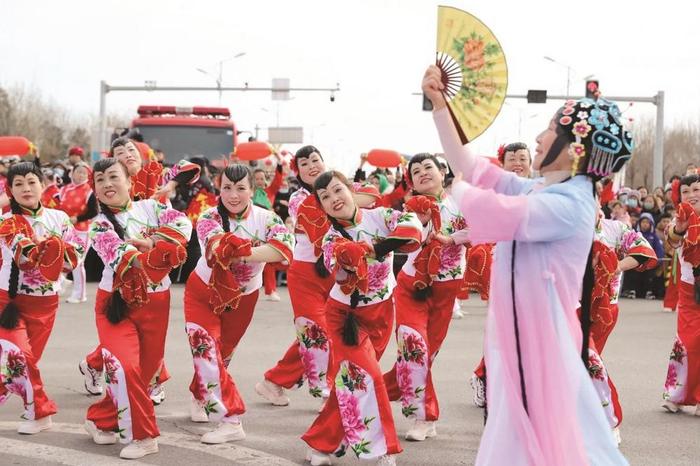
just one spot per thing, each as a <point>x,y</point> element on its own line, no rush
<point>46,223</point>
<point>138,222</point>
<point>452,259</point>
<point>374,225</point>
<point>261,226</point>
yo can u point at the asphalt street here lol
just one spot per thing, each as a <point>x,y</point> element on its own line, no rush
<point>636,356</point>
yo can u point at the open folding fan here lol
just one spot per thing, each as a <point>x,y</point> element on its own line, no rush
<point>474,71</point>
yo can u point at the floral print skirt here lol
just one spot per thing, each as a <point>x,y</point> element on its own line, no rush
<point>357,416</point>
<point>683,376</point>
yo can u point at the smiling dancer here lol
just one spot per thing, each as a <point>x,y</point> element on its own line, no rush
<point>359,312</point>
<point>37,245</point>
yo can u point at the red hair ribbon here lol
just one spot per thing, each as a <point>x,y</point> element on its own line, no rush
<point>501,153</point>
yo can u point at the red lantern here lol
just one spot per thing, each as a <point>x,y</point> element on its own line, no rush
<point>254,150</point>
<point>15,145</point>
<point>383,158</point>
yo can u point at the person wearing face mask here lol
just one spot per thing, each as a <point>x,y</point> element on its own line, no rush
<point>140,243</point>
<point>682,387</point>
<point>37,245</point>
<point>544,230</point>
<point>78,201</point>
<point>237,239</point>
<point>427,287</point>
<point>359,247</point>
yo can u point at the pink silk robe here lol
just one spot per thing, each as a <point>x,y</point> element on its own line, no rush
<point>553,228</point>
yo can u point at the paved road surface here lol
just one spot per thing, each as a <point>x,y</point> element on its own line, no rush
<point>636,355</point>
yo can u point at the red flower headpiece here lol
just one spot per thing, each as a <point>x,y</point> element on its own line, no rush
<point>676,192</point>
<point>501,153</point>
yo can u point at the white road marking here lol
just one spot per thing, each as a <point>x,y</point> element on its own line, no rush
<point>230,451</point>
<point>60,455</point>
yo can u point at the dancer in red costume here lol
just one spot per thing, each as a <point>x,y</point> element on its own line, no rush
<point>682,387</point>
<point>359,248</point>
<point>37,245</point>
<point>425,296</point>
<point>147,181</point>
<point>309,284</point>
<point>78,201</point>
<point>139,243</point>
<point>237,239</point>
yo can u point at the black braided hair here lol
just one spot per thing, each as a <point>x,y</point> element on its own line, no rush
<point>10,314</point>
<point>116,309</point>
<point>234,173</point>
<point>304,153</point>
<point>351,326</point>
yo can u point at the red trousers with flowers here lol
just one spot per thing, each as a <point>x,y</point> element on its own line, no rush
<point>602,325</point>
<point>21,349</point>
<point>683,377</point>
<point>357,415</point>
<point>96,362</point>
<point>308,293</point>
<point>421,327</point>
<point>132,351</point>
<point>213,338</point>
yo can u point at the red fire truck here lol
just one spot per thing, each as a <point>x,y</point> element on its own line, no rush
<point>182,132</point>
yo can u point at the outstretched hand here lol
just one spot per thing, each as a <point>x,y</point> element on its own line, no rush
<point>432,87</point>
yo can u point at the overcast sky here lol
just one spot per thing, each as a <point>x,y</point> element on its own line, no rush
<point>376,50</point>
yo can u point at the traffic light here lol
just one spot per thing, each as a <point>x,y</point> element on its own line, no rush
<point>592,89</point>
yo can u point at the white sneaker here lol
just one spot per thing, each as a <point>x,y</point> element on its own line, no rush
<point>697,410</point>
<point>35,426</point>
<point>668,309</point>
<point>617,436</point>
<point>139,448</point>
<point>73,300</point>
<point>100,437</point>
<point>157,394</point>
<point>387,460</point>
<point>93,378</point>
<point>479,391</point>
<point>457,313</point>
<point>225,432</point>
<point>272,393</point>
<point>274,296</point>
<point>420,431</point>
<point>670,406</point>
<point>316,458</point>
<point>197,412</point>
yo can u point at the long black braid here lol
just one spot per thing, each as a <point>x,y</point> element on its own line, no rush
<point>116,309</point>
<point>10,314</point>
